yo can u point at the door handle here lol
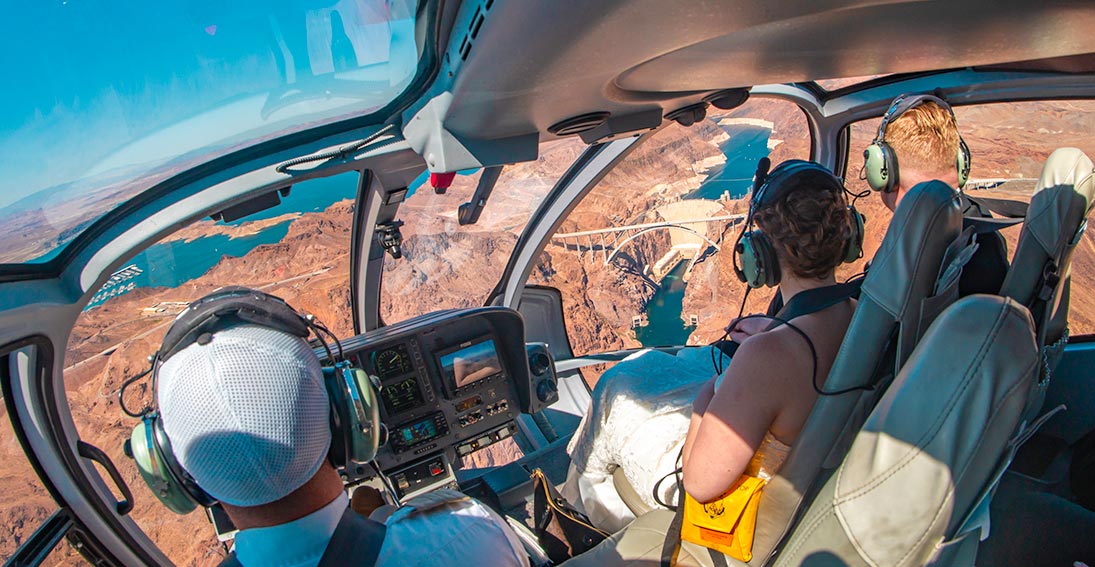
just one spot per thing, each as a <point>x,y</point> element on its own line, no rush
<point>93,453</point>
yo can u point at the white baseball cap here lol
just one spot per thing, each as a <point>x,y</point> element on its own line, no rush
<point>247,413</point>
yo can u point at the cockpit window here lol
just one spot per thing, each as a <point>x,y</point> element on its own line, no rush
<point>103,100</point>
<point>298,250</point>
<point>447,265</point>
<point>1009,144</point>
<point>644,259</point>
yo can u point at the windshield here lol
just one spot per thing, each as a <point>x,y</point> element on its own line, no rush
<point>446,265</point>
<point>105,99</point>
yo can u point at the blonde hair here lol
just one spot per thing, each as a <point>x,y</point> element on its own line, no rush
<point>924,138</point>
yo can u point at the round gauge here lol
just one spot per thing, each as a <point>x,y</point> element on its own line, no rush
<point>391,362</point>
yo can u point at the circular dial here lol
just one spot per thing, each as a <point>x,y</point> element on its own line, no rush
<point>391,362</point>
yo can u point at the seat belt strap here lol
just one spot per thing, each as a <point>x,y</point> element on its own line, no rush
<point>672,544</point>
<point>978,516</point>
<point>829,295</point>
<point>803,303</point>
<point>817,299</point>
<point>984,225</point>
<point>1003,207</point>
<point>356,536</point>
<point>977,213</point>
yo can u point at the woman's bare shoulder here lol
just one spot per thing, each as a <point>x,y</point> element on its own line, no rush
<point>768,354</point>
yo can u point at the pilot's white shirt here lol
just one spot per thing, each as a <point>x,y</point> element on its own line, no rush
<point>439,529</point>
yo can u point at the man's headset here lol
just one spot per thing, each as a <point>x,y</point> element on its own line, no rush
<point>879,160</point>
<point>356,430</point>
<point>755,260</point>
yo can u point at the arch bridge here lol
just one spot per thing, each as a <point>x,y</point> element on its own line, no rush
<point>611,240</point>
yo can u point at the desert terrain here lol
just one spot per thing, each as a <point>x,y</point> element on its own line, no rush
<point>445,265</point>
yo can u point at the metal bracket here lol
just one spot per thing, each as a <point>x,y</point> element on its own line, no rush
<point>391,238</point>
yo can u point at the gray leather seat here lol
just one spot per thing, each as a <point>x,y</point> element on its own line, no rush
<point>1039,274</point>
<point>898,301</point>
<point>930,448</point>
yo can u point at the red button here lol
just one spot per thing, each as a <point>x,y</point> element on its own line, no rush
<point>436,470</point>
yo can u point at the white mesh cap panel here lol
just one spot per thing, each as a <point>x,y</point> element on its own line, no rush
<point>246,414</point>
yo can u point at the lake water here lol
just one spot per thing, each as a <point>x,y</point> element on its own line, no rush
<point>665,327</point>
<point>169,264</point>
<point>746,145</point>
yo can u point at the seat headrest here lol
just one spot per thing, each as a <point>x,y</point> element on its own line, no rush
<point>1061,201</point>
<point>931,445</point>
<point>926,221</point>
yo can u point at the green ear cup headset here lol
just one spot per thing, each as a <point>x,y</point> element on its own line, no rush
<point>755,260</point>
<point>880,165</point>
<point>356,430</point>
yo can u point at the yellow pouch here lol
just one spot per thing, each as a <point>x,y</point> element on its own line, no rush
<point>727,524</point>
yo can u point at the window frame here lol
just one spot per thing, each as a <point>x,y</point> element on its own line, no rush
<point>63,523</point>
<point>262,154</point>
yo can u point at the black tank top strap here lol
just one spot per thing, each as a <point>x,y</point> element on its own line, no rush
<point>814,300</point>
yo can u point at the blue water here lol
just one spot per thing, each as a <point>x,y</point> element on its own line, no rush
<point>746,145</point>
<point>172,263</point>
<point>665,327</point>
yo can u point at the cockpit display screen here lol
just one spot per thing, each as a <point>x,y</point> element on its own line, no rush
<point>418,432</point>
<point>401,396</point>
<point>427,429</point>
<point>470,362</point>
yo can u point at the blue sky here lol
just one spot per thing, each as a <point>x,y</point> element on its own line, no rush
<point>86,78</point>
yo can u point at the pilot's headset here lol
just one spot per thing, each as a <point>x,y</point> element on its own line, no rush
<point>755,260</point>
<point>356,430</point>
<point>880,167</point>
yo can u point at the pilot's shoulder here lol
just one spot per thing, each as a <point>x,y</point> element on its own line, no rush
<point>445,527</point>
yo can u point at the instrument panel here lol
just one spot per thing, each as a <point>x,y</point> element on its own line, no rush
<point>451,382</point>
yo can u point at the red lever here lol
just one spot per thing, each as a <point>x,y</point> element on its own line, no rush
<point>441,181</point>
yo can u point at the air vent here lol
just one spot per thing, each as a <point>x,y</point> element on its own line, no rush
<point>578,124</point>
<point>688,115</point>
<point>727,99</point>
<point>474,25</point>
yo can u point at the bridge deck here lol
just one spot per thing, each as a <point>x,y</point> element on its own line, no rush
<point>646,226</point>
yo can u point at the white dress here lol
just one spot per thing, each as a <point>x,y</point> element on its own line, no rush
<point>638,420</point>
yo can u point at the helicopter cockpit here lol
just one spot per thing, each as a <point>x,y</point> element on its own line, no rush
<point>490,213</point>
